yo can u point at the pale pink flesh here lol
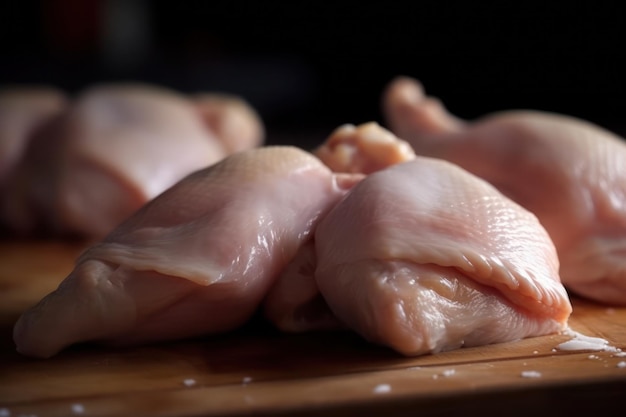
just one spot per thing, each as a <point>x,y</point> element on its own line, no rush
<point>196,260</point>
<point>425,257</point>
<point>568,172</point>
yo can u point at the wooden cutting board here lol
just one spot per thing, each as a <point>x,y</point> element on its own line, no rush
<point>259,371</point>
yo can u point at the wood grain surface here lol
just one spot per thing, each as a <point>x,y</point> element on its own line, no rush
<point>256,370</point>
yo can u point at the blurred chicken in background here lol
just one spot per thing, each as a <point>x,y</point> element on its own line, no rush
<point>114,148</point>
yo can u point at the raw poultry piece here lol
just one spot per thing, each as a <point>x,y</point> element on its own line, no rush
<point>116,147</point>
<point>24,110</point>
<point>196,260</point>
<point>425,257</point>
<point>233,120</point>
<point>570,173</point>
<point>294,303</point>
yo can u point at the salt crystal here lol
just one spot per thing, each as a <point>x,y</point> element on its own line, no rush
<point>78,408</point>
<point>593,357</point>
<point>535,352</point>
<point>382,388</point>
<point>531,374</point>
<point>582,342</point>
<point>189,382</point>
<point>448,372</point>
<point>620,354</point>
<point>5,412</point>
<point>621,364</point>
<point>246,380</point>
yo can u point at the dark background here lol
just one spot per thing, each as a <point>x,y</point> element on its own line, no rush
<point>309,66</point>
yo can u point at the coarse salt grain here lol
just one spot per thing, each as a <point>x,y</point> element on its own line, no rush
<point>246,380</point>
<point>621,364</point>
<point>5,412</point>
<point>382,389</point>
<point>582,342</point>
<point>448,372</point>
<point>189,382</point>
<point>78,408</point>
<point>531,374</point>
<point>620,354</point>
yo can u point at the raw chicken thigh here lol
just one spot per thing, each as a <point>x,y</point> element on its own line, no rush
<point>115,148</point>
<point>24,110</point>
<point>571,174</point>
<point>198,259</point>
<point>425,257</point>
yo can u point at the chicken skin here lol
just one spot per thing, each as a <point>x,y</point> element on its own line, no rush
<point>196,260</point>
<point>570,173</point>
<point>424,257</point>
